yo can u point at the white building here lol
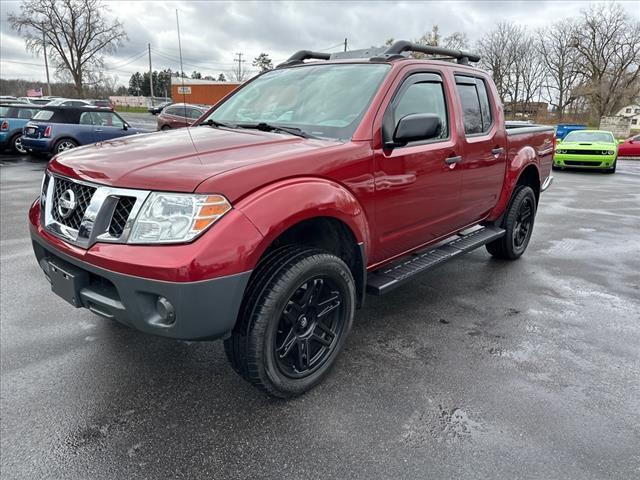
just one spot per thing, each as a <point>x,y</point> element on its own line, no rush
<point>632,112</point>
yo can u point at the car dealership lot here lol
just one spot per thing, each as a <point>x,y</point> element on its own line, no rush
<point>479,369</point>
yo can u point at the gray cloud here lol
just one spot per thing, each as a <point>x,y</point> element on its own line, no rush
<point>212,32</point>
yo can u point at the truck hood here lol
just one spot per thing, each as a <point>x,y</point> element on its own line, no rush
<point>178,160</point>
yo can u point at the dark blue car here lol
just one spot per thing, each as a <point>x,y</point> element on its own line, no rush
<point>56,129</point>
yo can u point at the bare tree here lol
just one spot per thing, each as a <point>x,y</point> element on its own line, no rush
<point>608,42</point>
<point>457,41</point>
<point>495,55</point>
<point>76,31</point>
<point>560,58</point>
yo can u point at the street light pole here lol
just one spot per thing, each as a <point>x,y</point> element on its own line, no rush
<point>150,74</point>
<point>46,64</point>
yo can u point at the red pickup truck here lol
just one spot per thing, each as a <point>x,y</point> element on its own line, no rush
<point>267,221</point>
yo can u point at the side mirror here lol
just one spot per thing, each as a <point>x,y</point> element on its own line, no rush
<point>125,126</point>
<point>415,127</point>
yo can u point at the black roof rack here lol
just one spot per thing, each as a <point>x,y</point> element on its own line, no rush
<point>394,52</point>
<point>301,56</point>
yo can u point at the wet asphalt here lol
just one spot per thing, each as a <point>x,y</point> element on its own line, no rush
<point>478,369</point>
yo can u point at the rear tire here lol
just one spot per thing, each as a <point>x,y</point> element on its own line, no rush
<point>63,145</point>
<point>165,127</point>
<point>296,315</point>
<point>518,224</point>
<point>16,145</point>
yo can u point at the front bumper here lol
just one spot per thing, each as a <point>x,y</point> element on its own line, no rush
<point>37,144</point>
<point>202,310</point>
<point>584,161</point>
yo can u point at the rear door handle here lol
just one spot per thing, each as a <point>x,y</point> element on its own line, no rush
<point>452,160</point>
<point>497,151</point>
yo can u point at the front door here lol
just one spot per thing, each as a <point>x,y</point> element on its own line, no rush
<point>417,185</point>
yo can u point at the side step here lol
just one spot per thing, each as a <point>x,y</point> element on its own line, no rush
<point>393,275</point>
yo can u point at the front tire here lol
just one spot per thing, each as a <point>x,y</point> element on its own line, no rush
<point>518,224</point>
<point>297,313</point>
<point>613,167</point>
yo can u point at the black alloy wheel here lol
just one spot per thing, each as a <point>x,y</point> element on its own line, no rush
<point>524,223</point>
<point>309,327</point>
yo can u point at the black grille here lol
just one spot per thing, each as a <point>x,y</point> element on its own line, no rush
<point>582,164</point>
<point>584,152</point>
<point>82,193</point>
<point>121,215</point>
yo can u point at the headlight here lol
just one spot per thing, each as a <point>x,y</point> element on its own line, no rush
<point>610,152</point>
<point>176,217</point>
<point>560,151</point>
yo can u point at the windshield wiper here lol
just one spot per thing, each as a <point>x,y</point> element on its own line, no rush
<point>217,124</point>
<point>267,127</point>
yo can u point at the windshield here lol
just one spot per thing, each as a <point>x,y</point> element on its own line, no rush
<point>593,137</point>
<point>321,100</point>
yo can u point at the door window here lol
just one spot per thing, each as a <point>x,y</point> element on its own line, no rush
<point>195,113</point>
<point>421,93</point>
<point>108,119</point>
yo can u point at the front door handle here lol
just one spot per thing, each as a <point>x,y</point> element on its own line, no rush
<point>497,151</point>
<point>452,160</point>
<point>98,130</point>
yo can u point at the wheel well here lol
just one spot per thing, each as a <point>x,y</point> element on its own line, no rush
<point>58,140</point>
<point>331,235</point>
<point>531,178</point>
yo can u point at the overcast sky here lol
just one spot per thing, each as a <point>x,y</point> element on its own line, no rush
<point>212,32</point>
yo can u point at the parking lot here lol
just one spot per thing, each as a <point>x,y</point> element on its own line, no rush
<point>479,369</point>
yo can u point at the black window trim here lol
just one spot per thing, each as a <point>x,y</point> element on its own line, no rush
<point>430,76</point>
<point>465,79</point>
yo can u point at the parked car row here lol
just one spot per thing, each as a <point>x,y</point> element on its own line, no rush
<point>54,129</point>
<point>58,101</point>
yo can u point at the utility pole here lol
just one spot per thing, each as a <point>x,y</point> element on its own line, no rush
<point>46,64</point>
<point>150,74</point>
<point>240,62</point>
<point>345,44</point>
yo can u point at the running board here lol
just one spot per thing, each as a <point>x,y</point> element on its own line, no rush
<point>393,275</point>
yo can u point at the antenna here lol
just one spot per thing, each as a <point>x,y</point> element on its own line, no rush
<point>184,98</point>
<point>184,102</point>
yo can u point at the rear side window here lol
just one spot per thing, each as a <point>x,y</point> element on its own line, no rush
<point>4,111</point>
<point>26,113</point>
<point>43,115</point>
<point>475,104</point>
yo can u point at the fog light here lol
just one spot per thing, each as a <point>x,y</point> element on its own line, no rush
<point>166,311</point>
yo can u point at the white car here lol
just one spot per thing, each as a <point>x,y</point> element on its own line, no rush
<point>68,102</point>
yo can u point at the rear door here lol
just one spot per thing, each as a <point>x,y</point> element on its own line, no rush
<point>417,185</point>
<point>484,154</point>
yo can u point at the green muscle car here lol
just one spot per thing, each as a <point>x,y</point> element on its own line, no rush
<point>593,149</point>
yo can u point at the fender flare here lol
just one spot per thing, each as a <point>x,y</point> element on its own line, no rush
<point>277,207</point>
<point>524,158</point>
